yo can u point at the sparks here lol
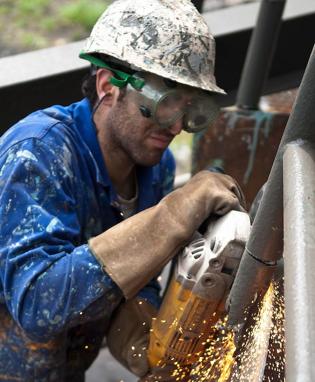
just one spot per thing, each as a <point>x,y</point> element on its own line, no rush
<point>256,356</point>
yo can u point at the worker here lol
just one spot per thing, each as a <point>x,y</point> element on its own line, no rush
<point>88,219</point>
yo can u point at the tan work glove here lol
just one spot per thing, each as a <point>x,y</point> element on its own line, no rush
<point>128,335</point>
<point>135,250</point>
<point>164,373</point>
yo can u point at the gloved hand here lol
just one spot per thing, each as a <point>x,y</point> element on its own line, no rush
<point>135,250</point>
<point>128,335</point>
<point>164,373</point>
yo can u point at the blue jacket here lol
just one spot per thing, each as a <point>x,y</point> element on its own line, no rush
<point>55,193</point>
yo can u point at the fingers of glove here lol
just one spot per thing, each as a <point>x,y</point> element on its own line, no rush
<point>226,202</point>
<point>232,185</point>
<point>212,180</point>
<point>128,335</point>
<point>236,189</point>
<point>131,352</point>
<point>223,195</point>
<point>220,184</point>
<point>164,373</point>
<point>137,360</point>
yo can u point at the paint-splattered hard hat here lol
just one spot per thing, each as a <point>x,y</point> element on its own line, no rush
<point>165,37</point>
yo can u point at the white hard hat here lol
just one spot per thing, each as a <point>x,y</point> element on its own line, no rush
<point>166,37</point>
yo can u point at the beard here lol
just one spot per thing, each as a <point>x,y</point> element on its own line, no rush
<point>128,131</point>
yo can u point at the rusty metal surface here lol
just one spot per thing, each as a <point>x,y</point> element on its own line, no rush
<point>245,142</point>
<point>268,221</point>
<point>280,103</point>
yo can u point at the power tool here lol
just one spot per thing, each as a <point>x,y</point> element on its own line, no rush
<point>195,298</point>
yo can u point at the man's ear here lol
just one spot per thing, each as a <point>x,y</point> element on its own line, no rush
<point>104,87</point>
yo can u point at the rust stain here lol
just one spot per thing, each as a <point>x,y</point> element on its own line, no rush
<point>37,346</point>
<point>245,142</point>
<point>280,103</point>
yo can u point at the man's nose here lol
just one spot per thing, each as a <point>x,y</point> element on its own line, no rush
<point>176,127</point>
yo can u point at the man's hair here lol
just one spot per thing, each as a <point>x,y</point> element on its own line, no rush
<point>89,88</point>
<point>89,81</point>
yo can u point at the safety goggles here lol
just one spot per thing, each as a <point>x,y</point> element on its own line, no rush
<point>166,102</point>
<point>163,100</point>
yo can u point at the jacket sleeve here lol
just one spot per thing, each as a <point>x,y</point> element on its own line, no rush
<point>167,173</point>
<point>50,280</point>
<point>151,293</point>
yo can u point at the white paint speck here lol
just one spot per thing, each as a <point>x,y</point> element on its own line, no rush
<point>26,154</point>
<point>52,225</point>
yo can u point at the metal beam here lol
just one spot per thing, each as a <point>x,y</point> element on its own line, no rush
<point>299,261</point>
<point>264,247</point>
<point>260,53</point>
<point>295,42</point>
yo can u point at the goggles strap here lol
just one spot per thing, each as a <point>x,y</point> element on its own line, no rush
<point>123,78</point>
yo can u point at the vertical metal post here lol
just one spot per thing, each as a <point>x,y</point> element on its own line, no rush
<point>262,249</point>
<point>299,261</point>
<point>260,53</point>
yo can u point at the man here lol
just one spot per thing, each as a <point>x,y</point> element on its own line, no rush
<point>85,223</point>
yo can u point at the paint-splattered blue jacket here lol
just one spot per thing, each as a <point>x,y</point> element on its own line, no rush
<point>55,194</point>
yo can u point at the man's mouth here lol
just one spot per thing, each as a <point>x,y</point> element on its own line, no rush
<point>159,140</point>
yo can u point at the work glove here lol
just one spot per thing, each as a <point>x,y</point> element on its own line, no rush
<point>128,335</point>
<point>135,250</point>
<point>164,373</point>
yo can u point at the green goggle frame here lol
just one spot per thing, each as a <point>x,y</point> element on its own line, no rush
<point>121,80</point>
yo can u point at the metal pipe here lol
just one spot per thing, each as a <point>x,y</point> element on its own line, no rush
<point>299,261</point>
<point>265,241</point>
<point>259,54</point>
